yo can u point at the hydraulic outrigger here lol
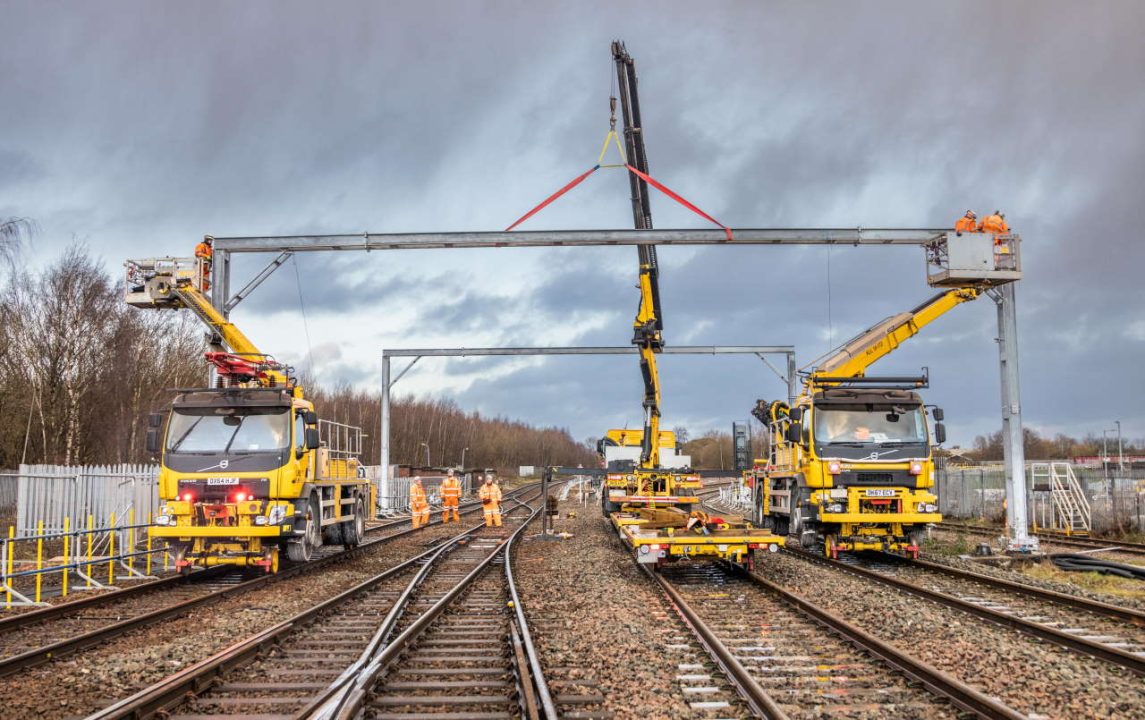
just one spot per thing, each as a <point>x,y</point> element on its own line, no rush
<point>247,468</point>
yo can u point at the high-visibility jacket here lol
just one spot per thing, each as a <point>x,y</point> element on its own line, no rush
<point>490,492</point>
<point>450,490</point>
<point>965,224</point>
<point>203,250</point>
<point>417,497</point>
<point>994,224</point>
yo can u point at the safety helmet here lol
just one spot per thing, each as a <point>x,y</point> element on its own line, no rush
<point>971,214</point>
<point>450,471</point>
<point>417,478</point>
<point>488,478</point>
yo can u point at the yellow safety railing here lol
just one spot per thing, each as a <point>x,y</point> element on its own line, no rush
<point>30,569</point>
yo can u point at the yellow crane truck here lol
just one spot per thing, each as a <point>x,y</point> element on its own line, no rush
<point>247,468</point>
<point>850,465</point>
<point>654,506</point>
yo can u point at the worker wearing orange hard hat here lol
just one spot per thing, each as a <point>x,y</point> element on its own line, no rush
<point>418,505</point>
<point>204,252</point>
<point>490,495</point>
<point>967,223</point>
<point>450,497</point>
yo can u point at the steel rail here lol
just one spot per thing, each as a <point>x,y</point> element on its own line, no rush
<point>1137,617</point>
<point>169,692</point>
<point>345,698</point>
<point>1107,653</point>
<point>932,678</point>
<point>1129,548</point>
<point>752,692</point>
<point>68,646</point>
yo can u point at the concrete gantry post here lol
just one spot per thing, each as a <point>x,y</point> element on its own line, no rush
<point>1013,448</point>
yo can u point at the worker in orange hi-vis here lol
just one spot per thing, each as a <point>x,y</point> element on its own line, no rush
<point>994,224</point>
<point>418,506</point>
<point>967,223</point>
<point>490,495</point>
<point>204,251</point>
<point>450,497</point>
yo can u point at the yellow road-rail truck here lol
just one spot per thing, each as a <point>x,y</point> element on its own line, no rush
<point>850,465</point>
<point>247,467</point>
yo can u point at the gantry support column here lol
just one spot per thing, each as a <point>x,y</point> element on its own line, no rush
<point>1013,449</point>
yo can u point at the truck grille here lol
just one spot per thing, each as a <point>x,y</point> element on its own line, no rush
<point>880,478</point>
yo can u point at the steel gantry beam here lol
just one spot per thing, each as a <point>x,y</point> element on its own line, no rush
<point>570,238</point>
<point>919,237</point>
<point>761,351</point>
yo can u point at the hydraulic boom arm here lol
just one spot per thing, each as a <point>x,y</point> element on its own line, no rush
<point>649,321</point>
<point>852,359</point>
<point>170,283</point>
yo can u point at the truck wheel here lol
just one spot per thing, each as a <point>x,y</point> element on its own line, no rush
<point>354,530</point>
<point>302,549</point>
<point>607,507</point>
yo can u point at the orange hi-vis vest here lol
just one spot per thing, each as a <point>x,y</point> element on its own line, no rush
<point>450,489</point>
<point>491,492</point>
<point>994,224</point>
<point>965,224</point>
<point>203,250</point>
<point>417,496</point>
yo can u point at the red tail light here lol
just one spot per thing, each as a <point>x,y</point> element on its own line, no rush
<point>188,497</point>
<point>240,496</point>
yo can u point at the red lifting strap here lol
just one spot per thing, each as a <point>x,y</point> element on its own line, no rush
<point>664,189</point>
<point>577,181</point>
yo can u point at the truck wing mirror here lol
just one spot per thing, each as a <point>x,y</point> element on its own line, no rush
<point>793,433</point>
<point>155,420</point>
<point>152,442</point>
<point>939,433</point>
<point>939,416</point>
<point>309,417</point>
<point>795,413</point>
<point>313,442</point>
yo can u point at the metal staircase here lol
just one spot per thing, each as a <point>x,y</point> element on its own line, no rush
<point>1071,512</point>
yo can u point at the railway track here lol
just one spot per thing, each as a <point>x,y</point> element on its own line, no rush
<point>789,658</point>
<point>1127,548</point>
<point>435,636</point>
<point>36,637</point>
<point>1107,632</point>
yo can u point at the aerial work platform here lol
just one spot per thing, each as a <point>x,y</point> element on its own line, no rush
<point>973,259</point>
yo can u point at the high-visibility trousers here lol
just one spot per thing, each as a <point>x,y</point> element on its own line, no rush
<point>450,506</point>
<point>419,515</point>
<point>492,515</point>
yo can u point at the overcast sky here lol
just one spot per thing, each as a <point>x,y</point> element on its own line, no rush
<point>139,127</point>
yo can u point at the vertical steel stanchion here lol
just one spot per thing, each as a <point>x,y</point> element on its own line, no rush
<point>39,557</point>
<point>67,552</point>
<point>90,534</point>
<point>131,539</point>
<point>111,551</point>
<point>149,520</point>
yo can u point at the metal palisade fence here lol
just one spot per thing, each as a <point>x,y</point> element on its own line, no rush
<point>50,493</point>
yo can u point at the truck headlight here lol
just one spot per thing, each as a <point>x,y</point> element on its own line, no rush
<point>276,514</point>
<point>260,520</point>
<point>927,507</point>
<point>162,519</point>
<point>835,508</point>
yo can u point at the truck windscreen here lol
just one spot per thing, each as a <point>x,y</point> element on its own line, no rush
<point>247,430</point>
<point>863,425</point>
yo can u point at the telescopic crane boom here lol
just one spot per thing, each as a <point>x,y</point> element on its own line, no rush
<point>851,359</point>
<point>649,323</point>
